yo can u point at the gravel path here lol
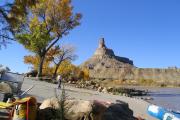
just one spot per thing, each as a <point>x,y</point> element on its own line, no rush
<point>43,90</point>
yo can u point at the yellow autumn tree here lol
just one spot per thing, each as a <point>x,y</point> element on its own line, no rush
<point>12,15</point>
<point>61,56</point>
<point>66,69</point>
<point>85,74</point>
<point>47,23</point>
<point>34,62</point>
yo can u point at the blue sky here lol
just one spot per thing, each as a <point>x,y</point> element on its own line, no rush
<point>146,31</point>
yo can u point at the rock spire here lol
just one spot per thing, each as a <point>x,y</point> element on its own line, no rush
<point>102,50</point>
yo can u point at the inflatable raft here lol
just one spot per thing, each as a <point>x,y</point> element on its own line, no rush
<point>162,113</point>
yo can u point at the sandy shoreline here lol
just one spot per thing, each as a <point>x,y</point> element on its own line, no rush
<point>43,90</point>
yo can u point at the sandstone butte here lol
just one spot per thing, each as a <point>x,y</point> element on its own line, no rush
<point>105,65</point>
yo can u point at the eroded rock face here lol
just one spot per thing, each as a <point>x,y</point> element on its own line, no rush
<point>104,63</point>
<point>103,52</point>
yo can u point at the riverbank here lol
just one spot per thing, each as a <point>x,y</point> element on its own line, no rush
<point>43,90</point>
<point>166,97</point>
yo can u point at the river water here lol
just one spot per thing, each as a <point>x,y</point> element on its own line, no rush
<point>166,97</point>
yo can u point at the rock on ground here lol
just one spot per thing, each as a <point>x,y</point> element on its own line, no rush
<point>5,87</point>
<point>50,103</point>
<point>118,111</point>
<point>88,110</point>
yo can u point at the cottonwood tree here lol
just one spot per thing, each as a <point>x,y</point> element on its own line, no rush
<point>33,60</point>
<point>62,53</point>
<point>12,15</point>
<point>48,22</point>
<point>54,57</point>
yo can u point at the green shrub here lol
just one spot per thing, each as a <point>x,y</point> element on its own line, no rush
<point>60,113</point>
<point>147,82</point>
<point>163,85</point>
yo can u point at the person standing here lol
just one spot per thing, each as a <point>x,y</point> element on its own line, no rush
<point>59,79</point>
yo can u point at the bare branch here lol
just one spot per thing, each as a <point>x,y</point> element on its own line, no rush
<point>56,40</point>
<point>3,13</point>
<point>7,37</point>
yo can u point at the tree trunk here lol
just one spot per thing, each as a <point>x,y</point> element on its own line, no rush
<point>40,67</point>
<point>55,72</point>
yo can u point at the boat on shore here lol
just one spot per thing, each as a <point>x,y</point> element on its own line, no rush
<point>162,113</point>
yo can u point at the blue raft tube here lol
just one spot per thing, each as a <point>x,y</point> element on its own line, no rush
<point>162,113</point>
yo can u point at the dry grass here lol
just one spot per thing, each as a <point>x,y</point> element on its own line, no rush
<point>112,83</point>
<point>139,82</point>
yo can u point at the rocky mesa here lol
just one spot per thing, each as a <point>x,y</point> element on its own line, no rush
<point>105,65</point>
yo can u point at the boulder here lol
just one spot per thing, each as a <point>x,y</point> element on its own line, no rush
<point>118,111</point>
<point>109,89</point>
<point>104,90</point>
<point>99,108</point>
<point>99,89</point>
<point>50,103</point>
<point>92,87</point>
<point>46,114</point>
<point>6,88</point>
<point>78,109</point>
<point>97,85</point>
<point>74,109</point>
<point>86,110</point>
